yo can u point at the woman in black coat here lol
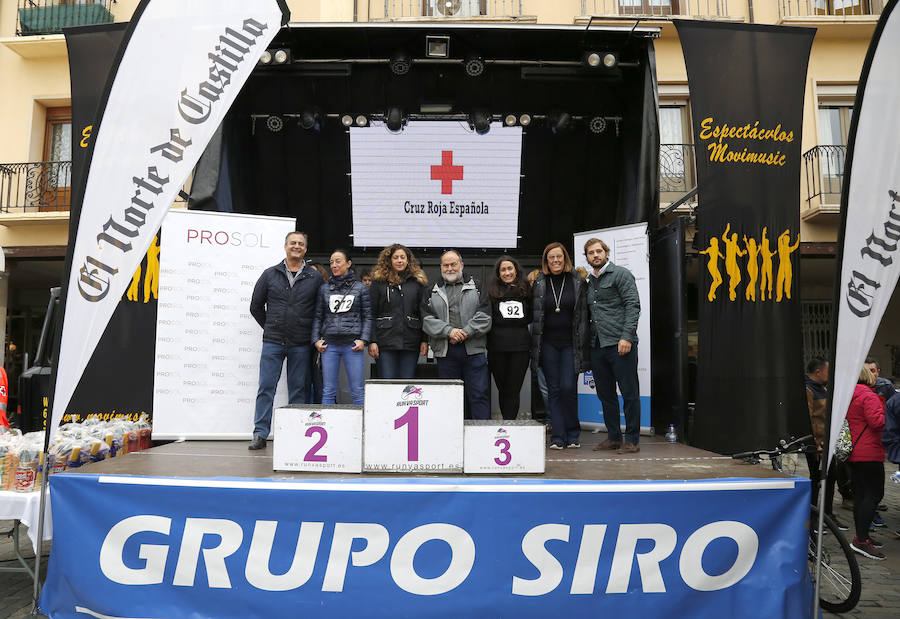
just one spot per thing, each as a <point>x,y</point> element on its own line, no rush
<point>398,285</point>
<point>509,341</point>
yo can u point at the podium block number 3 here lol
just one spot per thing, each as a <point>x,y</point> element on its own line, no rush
<point>505,457</point>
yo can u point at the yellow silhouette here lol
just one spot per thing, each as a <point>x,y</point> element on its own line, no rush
<point>713,266</point>
<point>151,276</point>
<point>752,267</point>
<point>151,279</point>
<point>785,271</point>
<point>732,251</point>
<point>765,280</point>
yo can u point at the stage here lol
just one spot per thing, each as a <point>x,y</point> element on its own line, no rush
<point>657,460</point>
<point>208,529</point>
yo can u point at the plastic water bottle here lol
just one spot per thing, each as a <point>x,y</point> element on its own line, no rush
<point>671,436</point>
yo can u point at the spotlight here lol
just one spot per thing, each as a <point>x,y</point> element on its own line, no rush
<point>281,56</point>
<point>437,46</point>
<point>610,60</point>
<point>400,63</point>
<point>346,120</point>
<point>591,59</point>
<point>311,118</point>
<point>525,120</point>
<point>274,124</point>
<point>597,124</point>
<point>559,122</point>
<point>480,121</point>
<point>265,57</point>
<point>474,65</point>
<point>509,120</point>
<point>361,121</point>
<point>395,119</point>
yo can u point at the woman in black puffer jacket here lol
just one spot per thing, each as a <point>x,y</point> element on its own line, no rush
<point>342,327</point>
<point>398,285</point>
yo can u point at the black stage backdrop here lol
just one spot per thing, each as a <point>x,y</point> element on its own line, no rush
<point>572,181</point>
<point>118,381</point>
<point>747,84</point>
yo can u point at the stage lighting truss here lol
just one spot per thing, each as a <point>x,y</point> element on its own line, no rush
<point>274,124</point>
<point>310,119</point>
<point>400,63</point>
<point>395,119</point>
<point>600,60</point>
<point>351,120</point>
<point>511,120</point>
<point>275,56</point>
<point>480,121</point>
<point>474,65</point>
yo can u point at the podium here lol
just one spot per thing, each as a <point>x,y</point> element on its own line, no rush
<point>504,447</point>
<point>324,439</point>
<point>413,426</point>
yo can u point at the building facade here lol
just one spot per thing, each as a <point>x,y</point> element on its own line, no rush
<point>35,119</point>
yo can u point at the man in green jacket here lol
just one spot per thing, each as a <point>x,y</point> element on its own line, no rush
<point>614,306</point>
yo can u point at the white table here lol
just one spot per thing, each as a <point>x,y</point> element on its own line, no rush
<point>25,507</point>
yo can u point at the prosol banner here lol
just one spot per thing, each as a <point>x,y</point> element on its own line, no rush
<point>207,343</point>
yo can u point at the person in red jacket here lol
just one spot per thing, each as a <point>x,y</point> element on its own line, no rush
<point>4,397</point>
<point>865,417</point>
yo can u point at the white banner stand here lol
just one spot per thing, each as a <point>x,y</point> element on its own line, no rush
<point>413,426</point>
<point>493,446</point>
<point>324,439</point>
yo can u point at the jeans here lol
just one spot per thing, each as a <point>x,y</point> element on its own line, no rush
<point>397,364</point>
<point>298,374</point>
<point>508,370</point>
<point>815,477</point>
<point>331,366</point>
<point>558,364</point>
<point>473,370</point>
<point>610,368</point>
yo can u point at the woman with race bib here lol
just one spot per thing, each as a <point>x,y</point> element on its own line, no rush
<point>398,286</point>
<point>509,341</point>
<point>342,327</point>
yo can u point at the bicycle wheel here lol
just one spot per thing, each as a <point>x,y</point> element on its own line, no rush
<point>841,584</point>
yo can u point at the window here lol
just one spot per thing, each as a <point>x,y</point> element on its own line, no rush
<point>648,7</point>
<point>842,7</point>
<point>676,151</point>
<point>834,129</point>
<point>56,166</point>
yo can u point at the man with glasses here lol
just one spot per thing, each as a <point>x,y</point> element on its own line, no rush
<point>456,316</point>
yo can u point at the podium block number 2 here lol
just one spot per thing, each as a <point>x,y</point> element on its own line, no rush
<point>312,455</point>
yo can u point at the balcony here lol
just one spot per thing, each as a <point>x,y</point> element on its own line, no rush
<point>42,17</point>
<point>829,8</point>
<point>451,10</point>
<point>824,173</point>
<point>35,187</point>
<point>677,174</point>
<point>660,9</point>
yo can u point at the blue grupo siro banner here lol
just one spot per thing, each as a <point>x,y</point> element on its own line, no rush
<point>175,547</point>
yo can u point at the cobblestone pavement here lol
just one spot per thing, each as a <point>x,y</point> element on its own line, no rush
<point>880,593</point>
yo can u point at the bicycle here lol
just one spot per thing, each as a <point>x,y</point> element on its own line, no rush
<point>841,583</point>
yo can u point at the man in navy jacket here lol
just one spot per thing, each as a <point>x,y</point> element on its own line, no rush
<point>284,303</point>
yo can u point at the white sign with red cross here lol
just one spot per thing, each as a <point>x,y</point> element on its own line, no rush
<point>434,183</point>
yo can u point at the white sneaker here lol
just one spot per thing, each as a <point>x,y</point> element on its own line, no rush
<point>896,477</point>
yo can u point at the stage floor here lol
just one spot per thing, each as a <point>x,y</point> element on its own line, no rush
<point>657,460</point>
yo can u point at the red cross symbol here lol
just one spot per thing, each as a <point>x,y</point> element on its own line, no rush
<point>446,172</point>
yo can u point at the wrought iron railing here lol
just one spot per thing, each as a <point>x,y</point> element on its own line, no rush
<point>823,8</point>
<point>35,186</point>
<point>51,16</point>
<point>437,9</point>
<point>676,168</point>
<point>824,169</point>
<point>656,8</point>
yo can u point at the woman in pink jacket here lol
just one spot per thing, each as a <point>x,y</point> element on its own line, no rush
<point>865,417</point>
